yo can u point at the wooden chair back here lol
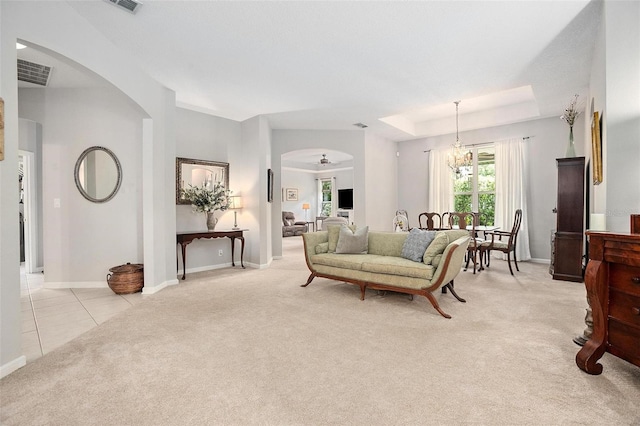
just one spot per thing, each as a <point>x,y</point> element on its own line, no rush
<point>463,219</point>
<point>429,221</point>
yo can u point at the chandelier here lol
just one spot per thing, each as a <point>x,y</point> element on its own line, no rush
<point>460,159</point>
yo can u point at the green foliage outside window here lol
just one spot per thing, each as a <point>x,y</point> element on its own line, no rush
<point>325,209</point>
<point>463,188</point>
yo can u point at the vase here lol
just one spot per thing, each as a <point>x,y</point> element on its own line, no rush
<point>571,150</point>
<point>211,221</point>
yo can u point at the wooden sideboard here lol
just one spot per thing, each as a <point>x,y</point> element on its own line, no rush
<point>613,290</point>
<point>185,238</point>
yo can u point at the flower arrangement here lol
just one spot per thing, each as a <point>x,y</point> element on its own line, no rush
<point>571,112</point>
<point>206,199</point>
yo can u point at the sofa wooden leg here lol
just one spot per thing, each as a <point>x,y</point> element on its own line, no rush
<point>363,289</point>
<point>453,292</point>
<point>311,277</point>
<point>434,302</point>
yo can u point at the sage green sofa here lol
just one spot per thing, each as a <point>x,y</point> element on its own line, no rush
<point>382,267</point>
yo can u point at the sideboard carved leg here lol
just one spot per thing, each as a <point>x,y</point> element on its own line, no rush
<point>597,296</point>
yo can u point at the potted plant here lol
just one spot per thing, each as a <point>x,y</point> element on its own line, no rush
<point>207,199</point>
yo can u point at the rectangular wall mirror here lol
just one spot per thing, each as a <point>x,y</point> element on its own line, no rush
<point>199,173</point>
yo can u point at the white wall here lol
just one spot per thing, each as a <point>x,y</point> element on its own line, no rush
<point>206,137</point>
<point>547,141</point>
<point>305,182</point>
<point>597,92</point>
<point>81,239</point>
<point>256,154</point>
<point>381,175</point>
<point>57,27</point>
<point>349,141</point>
<point>622,112</point>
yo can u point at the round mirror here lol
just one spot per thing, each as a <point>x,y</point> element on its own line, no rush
<point>98,174</point>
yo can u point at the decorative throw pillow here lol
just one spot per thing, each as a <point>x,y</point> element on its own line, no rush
<point>436,260</point>
<point>416,243</point>
<point>333,234</point>
<point>437,246</point>
<point>353,241</point>
<point>322,248</point>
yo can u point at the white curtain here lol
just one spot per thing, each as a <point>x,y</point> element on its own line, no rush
<point>440,197</point>
<point>511,177</point>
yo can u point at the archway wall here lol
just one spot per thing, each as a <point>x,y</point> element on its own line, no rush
<point>57,27</point>
<point>350,141</point>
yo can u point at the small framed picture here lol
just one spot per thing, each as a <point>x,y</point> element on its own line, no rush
<point>291,194</point>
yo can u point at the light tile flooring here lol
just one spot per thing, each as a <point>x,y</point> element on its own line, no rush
<point>53,317</point>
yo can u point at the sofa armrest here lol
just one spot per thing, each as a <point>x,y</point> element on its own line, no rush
<point>311,240</point>
<point>451,263</point>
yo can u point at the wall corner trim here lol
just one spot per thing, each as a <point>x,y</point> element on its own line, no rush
<point>12,366</point>
<point>157,288</point>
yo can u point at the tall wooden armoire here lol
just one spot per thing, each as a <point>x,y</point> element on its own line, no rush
<point>566,258</point>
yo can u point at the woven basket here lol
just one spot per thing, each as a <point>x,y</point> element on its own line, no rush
<point>126,279</point>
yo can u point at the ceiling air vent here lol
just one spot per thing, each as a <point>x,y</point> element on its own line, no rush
<point>128,5</point>
<point>361,125</point>
<point>33,73</point>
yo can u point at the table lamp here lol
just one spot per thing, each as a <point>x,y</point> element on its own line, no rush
<point>235,204</point>
<point>306,207</point>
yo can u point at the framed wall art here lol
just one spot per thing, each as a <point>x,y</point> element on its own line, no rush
<point>199,173</point>
<point>596,148</point>
<point>270,186</point>
<point>291,194</point>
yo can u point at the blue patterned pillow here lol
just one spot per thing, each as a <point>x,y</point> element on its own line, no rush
<point>416,243</point>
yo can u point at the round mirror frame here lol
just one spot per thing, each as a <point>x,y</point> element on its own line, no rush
<point>76,173</point>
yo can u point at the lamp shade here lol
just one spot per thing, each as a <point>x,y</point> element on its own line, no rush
<point>306,206</point>
<point>235,202</point>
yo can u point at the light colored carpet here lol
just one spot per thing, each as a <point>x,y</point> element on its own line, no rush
<point>251,346</point>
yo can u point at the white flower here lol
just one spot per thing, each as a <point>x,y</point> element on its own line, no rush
<point>205,199</point>
<point>571,112</point>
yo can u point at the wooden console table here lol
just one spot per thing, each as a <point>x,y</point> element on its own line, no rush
<point>613,290</point>
<point>184,238</point>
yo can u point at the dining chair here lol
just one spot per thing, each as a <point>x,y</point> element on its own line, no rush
<point>429,221</point>
<point>468,220</point>
<point>506,246</point>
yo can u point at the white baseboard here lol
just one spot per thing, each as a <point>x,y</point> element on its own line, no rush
<point>207,268</point>
<point>157,288</point>
<point>536,260</point>
<point>257,266</point>
<point>12,366</point>
<point>75,284</point>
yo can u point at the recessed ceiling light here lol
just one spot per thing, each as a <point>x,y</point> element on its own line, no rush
<point>20,46</point>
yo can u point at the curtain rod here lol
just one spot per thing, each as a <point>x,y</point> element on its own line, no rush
<point>483,143</point>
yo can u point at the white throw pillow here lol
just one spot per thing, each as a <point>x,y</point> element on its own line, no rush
<point>353,241</point>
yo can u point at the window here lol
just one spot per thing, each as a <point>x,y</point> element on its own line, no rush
<point>325,201</point>
<point>475,189</point>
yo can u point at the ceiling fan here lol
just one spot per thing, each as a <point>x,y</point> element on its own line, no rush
<point>324,160</point>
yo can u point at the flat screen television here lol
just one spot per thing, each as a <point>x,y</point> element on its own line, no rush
<point>345,199</point>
